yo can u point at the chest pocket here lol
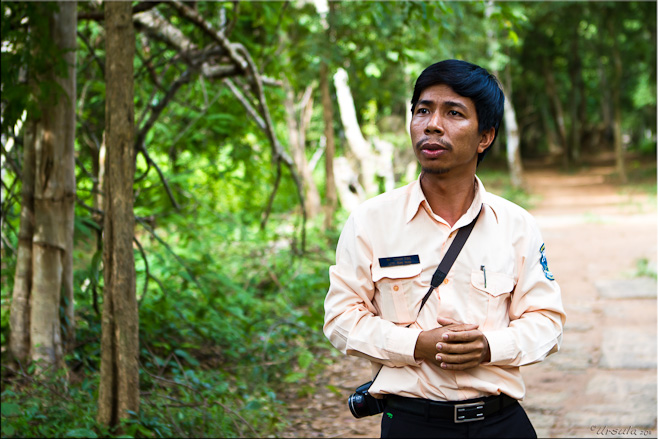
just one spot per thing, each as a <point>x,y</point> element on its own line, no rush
<point>492,300</point>
<point>396,287</point>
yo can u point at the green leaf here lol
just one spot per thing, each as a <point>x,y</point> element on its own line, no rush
<point>294,377</point>
<point>8,430</point>
<point>10,409</point>
<point>305,359</point>
<point>187,357</point>
<point>81,432</point>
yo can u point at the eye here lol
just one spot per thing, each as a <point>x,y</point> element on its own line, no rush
<point>422,111</point>
<point>454,113</point>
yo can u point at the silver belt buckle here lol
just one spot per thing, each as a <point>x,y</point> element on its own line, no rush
<point>473,411</point>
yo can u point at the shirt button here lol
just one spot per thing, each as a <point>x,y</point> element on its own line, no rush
<point>447,281</point>
<point>395,288</point>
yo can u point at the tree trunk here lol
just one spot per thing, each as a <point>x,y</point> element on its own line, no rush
<point>554,148</point>
<point>330,150</point>
<point>297,126</point>
<point>616,102</point>
<point>513,137</point>
<point>556,105</point>
<point>513,145</point>
<point>361,149</point>
<point>19,320</point>
<point>119,385</point>
<point>54,196</point>
<point>576,99</point>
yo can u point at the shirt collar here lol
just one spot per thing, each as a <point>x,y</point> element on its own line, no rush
<point>417,197</point>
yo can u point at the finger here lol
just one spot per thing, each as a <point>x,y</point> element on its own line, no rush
<point>459,348</point>
<point>445,321</point>
<point>460,328</point>
<point>451,359</point>
<point>462,336</point>
<point>461,366</point>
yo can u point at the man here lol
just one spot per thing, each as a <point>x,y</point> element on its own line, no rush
<point>449,367</point>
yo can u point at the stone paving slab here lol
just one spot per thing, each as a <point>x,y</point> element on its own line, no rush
<point>588,416</point>
<point>636,288</point>
<point>626,348</point>
<point>636,313</point>
<point>576,353</point>
<point>618,399</point>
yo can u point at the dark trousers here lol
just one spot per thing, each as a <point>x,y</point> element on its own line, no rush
<point>511,422</point>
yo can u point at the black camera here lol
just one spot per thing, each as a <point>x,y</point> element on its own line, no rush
<point>362,403</point>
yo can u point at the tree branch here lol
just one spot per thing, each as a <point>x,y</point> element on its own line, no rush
<point>170,250</point>
<point>146,268</point>
<point>141,148</point>
<point>216,35</point>
<point>270,202</point>
<point>157,109</point>
<point>100,15</point>
<point>101,64</point>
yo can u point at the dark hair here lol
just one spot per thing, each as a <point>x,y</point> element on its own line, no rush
<point>470,81</point>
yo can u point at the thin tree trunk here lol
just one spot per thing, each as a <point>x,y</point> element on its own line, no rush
<point>54,197</point>
<point>616,103</point>
<point>119,385</point>
<point>558,112</point>
<point>325,10</point>
<point>361,149</point>
<point>513,137</point>
<point>575,72</point>
<point>328,117</point>
<point>19,320</point>
<point>297,127</point>
<point>553,148</point>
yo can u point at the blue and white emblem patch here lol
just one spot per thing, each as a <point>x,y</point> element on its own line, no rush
<point>544,263</point>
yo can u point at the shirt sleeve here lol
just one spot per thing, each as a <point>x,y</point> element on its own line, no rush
<point>536,312</point>
<point>351,322</point>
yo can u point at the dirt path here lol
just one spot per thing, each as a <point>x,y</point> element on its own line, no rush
<point>595,236</point>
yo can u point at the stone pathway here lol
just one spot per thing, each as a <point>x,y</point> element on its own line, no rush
<point>602,383</point>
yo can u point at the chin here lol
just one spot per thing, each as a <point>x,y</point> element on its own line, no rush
<point>434,171</point>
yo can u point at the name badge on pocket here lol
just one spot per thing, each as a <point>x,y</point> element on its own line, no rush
<point>399,260</point>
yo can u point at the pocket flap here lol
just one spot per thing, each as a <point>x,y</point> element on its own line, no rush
<point>497,283</point>
<point>398,272</point>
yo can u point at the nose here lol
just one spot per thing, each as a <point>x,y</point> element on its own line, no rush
<point>434,124</point>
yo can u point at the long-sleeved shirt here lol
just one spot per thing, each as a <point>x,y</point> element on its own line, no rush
<point>386,256</point>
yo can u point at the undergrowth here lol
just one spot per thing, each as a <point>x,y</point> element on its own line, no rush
<point>226,325</point>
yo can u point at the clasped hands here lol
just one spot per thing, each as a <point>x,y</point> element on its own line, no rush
<point>453,346</point>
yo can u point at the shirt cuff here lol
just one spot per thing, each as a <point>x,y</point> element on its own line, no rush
<point>501,346</point>
<point>401,344</point>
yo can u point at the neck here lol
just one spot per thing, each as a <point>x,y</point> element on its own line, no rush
<point>449,198</point>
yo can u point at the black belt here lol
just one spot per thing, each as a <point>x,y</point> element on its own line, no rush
<point>459,411</point>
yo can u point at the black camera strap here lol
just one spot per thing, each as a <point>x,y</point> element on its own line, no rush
<point>451,255</point>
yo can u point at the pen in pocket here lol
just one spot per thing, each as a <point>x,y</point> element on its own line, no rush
<point>484,273</point>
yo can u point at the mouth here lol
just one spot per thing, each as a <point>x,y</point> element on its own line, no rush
<point>433,150</point>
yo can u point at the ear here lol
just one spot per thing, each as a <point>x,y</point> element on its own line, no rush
<point>486,138</point>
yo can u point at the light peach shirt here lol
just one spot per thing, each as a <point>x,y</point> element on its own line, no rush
<point>368,307</point>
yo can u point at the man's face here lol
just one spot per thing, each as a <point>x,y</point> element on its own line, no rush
<point>444,132</point>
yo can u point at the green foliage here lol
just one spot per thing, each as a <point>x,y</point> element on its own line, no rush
<point>30,59</point>
<point>48,405</point>
<point>497,181</point>
<point>644,268</point>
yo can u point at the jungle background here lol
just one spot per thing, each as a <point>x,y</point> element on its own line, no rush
<point>175,176</point>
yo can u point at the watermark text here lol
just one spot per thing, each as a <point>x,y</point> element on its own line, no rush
<point>617,431</point>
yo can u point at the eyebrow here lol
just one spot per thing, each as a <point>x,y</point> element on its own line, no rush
<point>456,104</point>
<point>428,102</point>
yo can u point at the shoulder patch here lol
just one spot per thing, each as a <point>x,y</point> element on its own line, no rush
<point>544,263</point>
